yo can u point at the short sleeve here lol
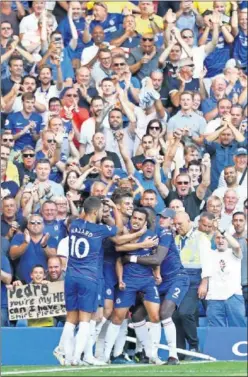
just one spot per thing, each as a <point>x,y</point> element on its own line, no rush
<point>109,231</point>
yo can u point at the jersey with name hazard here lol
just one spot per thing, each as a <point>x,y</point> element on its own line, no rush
<point>135,270</point>
<point>171,265</point>
<point>85,246</point>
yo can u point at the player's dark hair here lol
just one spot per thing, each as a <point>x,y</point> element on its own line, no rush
<point>91,204</point>
<point>194,163</point>
<point>141,210</point>
<point>119,194</point>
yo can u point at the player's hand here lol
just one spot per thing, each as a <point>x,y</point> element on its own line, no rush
<point>150,242</point>
<point>122,286</point>
<point>109,202</point>
<point>158,280</point>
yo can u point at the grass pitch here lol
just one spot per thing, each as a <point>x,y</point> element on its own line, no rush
<point>190,369</point>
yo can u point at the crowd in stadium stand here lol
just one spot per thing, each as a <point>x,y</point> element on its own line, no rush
<point>142,104</point>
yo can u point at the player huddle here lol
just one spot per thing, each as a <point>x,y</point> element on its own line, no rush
<point>121,257</point>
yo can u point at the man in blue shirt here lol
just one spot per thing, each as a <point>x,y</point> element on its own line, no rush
<point>175,281</point>
<point>126,37</point>
<point>223,150</point>
<point>16,74</point>
<point>240,33</point>
<point>6,278</point>
<point>81,286</point>
<point>56,228</point>
<point>135,278</point>
<point>74,16</point>
<point>25,125</point>
<point>146,177</point>
<point>31,247</point>
<point>109,22</point>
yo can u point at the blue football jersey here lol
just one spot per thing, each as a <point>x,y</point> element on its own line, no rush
<point>171,265</point>
<point>85,246</point>
<point>135,270</point>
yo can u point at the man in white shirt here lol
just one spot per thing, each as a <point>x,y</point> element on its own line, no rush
<point>225,301</point>
<point>90,126</point>
<point>230,176</point>
<point>240,161</point>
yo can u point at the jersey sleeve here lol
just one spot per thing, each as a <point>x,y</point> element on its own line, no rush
<point>165,240</point>
<point>109,231</point>
<point>9,124</point>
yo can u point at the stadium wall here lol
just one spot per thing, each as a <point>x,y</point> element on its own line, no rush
<point>34,346</point>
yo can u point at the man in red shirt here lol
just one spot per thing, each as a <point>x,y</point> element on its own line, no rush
<point>71,112</point>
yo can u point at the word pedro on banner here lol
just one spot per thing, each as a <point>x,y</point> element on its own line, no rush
<point>34,301</point>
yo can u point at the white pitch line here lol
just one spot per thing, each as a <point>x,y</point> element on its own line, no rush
<point>72,369</point>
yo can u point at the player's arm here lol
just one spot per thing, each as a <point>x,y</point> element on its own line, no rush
<point>119,273</point>
<point>117,216</point>
<point>148,243</point>
<point>151,260</point>
<point>157,275</point>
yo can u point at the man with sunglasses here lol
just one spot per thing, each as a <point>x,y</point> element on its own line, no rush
<point>191,200</point>
<point>31,247</point>
<point>72,112</point>
<point>26,168</point>
<point>144,59</point>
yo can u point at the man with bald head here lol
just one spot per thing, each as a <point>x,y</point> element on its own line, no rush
<point>195,249</point>
<point>85,91</point>
<point>218,91</point>
<point>144,59</point>
<point>94,158</point>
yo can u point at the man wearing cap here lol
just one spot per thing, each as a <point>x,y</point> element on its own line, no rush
<point>240,161</point>
<point>175,280</point>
